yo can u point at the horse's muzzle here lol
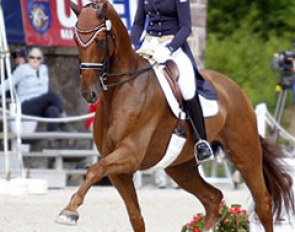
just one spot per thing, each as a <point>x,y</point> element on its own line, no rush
<point>90,96</point>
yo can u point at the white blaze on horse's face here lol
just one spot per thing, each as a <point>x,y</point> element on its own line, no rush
<point>92,38</point>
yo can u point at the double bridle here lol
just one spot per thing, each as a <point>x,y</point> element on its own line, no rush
<point>106,25</point>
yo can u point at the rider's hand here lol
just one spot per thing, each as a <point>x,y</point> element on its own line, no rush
<point>161,54</point>
<point>145,49</point>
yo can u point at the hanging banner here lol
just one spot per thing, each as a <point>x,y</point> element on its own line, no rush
<point>51,22</point>
<point>13,21</point>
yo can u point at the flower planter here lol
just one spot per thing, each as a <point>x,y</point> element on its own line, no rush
<point>233,219</point>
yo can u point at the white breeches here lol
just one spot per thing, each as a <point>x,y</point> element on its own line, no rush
<point>186,80</point>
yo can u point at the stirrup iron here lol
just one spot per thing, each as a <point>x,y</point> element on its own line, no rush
<point>203,151</point>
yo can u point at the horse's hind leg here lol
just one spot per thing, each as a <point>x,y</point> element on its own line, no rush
<point>248,160</point>
<point>187,176</point>
<point>125,186</point>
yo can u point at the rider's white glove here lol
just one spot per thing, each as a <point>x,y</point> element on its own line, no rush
<point>145,49</point>
<point>161,54</point>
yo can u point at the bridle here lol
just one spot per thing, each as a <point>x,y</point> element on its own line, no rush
<point>106,26</point>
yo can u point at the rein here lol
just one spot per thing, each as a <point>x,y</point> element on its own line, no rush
<point>104,66</point>
<point>134,74</point>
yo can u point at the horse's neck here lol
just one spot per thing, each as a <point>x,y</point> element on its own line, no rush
<point>125,57</point>
<point>124,61</point>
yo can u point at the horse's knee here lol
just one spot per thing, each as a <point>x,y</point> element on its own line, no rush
<point>94,173</point>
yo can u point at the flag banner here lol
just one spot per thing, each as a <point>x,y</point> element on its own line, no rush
<point>51,22</point>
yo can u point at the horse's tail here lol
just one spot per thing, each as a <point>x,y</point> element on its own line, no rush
<point>278,179</point>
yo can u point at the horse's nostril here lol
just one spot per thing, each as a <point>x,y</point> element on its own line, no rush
<point>93,95</point>
<point>89,96</point>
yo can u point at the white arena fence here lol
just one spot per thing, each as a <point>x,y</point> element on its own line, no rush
<point>42,119</point>
<point>265,120</point>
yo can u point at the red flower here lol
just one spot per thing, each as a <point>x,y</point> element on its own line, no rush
<point>197,218</point>
<point>234,210</point>
<point>191,224</point>
<point>244,212</point>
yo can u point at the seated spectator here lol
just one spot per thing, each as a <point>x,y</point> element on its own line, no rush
<point>32,85</point>
<point>19,57</point>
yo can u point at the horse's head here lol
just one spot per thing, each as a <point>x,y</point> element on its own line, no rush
<point>95,40</point>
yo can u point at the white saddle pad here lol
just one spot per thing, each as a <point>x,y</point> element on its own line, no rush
<point>210,107</point>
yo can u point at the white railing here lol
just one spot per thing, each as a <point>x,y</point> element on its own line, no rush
<point>4,66</point>
<point>15,115</point>
<point>264,119</point>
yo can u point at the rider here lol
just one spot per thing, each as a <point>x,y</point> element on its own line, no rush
<point>168,25</point>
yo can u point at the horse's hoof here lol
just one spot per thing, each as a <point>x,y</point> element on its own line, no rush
<point>67,217</point>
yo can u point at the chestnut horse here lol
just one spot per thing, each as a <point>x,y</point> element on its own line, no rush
<point>133,126</point>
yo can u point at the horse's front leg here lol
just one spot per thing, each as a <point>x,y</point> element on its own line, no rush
<point>125,186</point>
<point>118,162</point>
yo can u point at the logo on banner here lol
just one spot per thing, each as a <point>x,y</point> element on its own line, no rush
<point>39,15</point>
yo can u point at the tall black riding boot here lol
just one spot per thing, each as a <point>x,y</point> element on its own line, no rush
<point>203,150</point>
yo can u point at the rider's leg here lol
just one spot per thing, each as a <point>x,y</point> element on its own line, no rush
<point>187,84</point>
<point>203,149</point>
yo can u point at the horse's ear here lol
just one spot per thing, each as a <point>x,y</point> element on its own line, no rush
<point>75,8</point>
<point>102,13</point>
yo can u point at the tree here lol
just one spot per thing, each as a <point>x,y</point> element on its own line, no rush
<point>242,39</point>
<point>267,17</point>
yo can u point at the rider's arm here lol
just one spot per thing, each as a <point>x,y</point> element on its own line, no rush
<point>138,24</point>
<point>185,23</point>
